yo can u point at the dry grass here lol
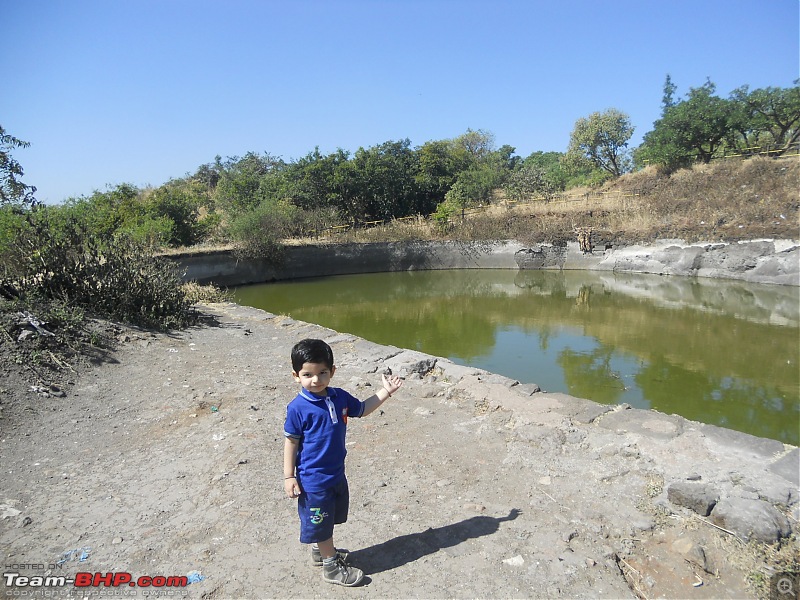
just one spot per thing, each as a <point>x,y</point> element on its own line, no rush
<point>204,293</point>
<point>727,200</point>
<point>761,561</point>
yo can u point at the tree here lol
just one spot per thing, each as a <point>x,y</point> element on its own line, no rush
<point>12,190</point>
<point>601,139</point>
<point>473,187</point>
<point>312,182</point>
<point>177,202</point>
<point>690,130</point>
<point>477,144</point>
<point>768,116</point>
<point>387,174</point>
<point>549,163</point>
<point>238,187</point>
<point>668,99</point>
<point>437,168</point>
<point>529,181</point>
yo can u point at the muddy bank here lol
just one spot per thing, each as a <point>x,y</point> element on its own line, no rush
<point>762,261</point>
<point>167,460</point>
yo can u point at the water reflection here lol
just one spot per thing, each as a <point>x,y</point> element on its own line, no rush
<point>720,352</point>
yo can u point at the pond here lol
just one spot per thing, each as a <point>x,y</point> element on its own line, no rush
<point>721,352</point>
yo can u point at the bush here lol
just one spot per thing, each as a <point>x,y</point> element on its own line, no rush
<point>52,255</point>
<point>260,233</point>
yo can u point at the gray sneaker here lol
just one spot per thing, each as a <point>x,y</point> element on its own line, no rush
<point>341,573</point>
<point>316,557</point>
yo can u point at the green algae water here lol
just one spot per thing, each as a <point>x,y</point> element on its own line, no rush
<point>720,352</point>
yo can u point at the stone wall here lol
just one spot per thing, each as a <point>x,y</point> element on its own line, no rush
<point>760,261</point>
<point>222,268</point>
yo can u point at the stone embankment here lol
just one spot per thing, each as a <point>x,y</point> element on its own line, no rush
<point>760,261</point>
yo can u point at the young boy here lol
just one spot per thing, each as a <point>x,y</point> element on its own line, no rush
<point>314,451</point>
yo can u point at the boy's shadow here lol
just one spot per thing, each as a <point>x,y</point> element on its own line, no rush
<point>408,548</point>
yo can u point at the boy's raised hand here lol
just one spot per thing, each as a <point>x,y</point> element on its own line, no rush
<point>392,383</point>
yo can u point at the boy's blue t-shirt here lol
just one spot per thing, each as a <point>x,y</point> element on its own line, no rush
<point>320,423</point>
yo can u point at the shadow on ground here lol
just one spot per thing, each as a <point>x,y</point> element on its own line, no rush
<point>408,548</point>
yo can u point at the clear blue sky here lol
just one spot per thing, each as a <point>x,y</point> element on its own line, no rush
<point>142,91</point>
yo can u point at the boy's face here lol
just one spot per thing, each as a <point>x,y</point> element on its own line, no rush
<point>314,377</point>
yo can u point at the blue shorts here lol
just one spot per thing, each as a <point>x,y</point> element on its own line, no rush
<point>320,511</point>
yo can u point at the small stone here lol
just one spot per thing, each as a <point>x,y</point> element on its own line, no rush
<point>116,540</point>
<point>515,561</point>
<point>569,536</point>
<point>691,551</point>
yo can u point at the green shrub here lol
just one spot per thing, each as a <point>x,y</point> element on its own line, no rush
<point>53,255</point>
<point>260,233</point>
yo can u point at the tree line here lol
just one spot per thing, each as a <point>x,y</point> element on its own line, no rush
<point>239,198</point>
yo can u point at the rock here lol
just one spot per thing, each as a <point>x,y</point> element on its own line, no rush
<point>698,497</point>
<point>56,391</point>
<point>527,389</point>
<point>8,511</point>
<point>514,561</point>
<point>751,519</point>
<point>409,362</point>
<point>540,257</point>
<point>693,553</point>
<point>778,493</point>
<point>788,467</point>
<point>492,378</point>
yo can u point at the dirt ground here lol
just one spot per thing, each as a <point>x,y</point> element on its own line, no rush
<point>166,460</point>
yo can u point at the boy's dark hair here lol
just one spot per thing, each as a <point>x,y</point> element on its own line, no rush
<point>311,351</point>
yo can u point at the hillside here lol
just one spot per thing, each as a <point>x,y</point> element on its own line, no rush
<point>726,200</point>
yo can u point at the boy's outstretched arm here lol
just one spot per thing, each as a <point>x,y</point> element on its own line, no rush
<point>390,385</point>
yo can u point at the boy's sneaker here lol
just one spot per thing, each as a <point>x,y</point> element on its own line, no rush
<point>316,557</point>
<point>340,573</point>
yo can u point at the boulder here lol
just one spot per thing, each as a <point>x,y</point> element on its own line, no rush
<point>698,497</point>
<point>751,519</point>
